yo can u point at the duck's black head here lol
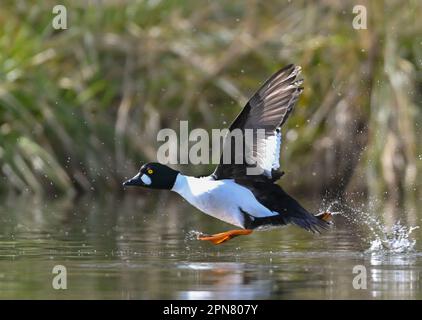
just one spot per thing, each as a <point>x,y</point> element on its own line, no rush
<point>155,176</point>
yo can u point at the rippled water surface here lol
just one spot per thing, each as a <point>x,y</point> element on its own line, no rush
<point>142,248</point>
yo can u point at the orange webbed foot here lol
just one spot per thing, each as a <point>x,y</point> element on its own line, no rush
<point>224,236</point>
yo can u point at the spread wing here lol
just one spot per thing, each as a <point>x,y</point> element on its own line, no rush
<point>260,122</point>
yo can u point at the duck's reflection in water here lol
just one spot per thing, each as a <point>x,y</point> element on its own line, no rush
<point>225,281</point>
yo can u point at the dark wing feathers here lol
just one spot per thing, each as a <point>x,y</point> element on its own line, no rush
<point>273,102</point>
<point>268,109</point>
<point>276,199</point>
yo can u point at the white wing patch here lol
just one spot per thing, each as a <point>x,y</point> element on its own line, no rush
<point>266,156</point>
<point>271,152</point>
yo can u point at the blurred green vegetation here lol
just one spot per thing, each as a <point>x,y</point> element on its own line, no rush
<point>80,108</point>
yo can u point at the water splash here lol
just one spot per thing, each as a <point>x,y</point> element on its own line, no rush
<point>395,240</point>
<point>193,235</point>
<point>380,238</point>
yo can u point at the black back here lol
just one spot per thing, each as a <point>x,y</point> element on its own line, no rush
<point>276,199</point>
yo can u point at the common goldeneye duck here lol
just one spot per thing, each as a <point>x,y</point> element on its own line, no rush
<point>248,201</point>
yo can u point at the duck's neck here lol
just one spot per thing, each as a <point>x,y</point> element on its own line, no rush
<point>180,184</point>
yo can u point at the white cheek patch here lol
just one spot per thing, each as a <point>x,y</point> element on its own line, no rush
<point>146,180</point>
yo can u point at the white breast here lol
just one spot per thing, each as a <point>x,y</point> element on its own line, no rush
<point>220,198</point>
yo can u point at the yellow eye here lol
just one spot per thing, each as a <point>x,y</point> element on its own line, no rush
<point>150,171</point>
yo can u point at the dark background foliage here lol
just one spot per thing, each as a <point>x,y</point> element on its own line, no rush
<point>80,108</point>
